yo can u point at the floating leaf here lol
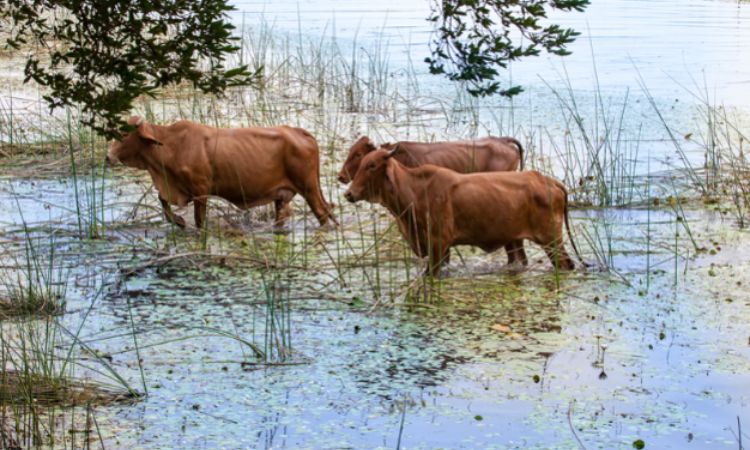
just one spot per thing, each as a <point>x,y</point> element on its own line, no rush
<point>501,328</point>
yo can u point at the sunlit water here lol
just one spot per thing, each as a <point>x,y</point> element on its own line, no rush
<point>697,45</point>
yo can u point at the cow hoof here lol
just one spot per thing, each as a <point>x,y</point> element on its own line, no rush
<point>436,274</point>
<point>180,222</point>
<point>514,268</point>
<point>328,226</point>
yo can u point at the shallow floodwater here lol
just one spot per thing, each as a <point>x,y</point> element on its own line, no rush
<point>492,361</point>
<point>656,349</point>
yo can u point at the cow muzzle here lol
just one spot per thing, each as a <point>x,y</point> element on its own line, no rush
<point>349,196</point>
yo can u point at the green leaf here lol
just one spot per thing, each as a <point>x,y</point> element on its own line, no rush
<point>110,53</point>
<point>472,40</point>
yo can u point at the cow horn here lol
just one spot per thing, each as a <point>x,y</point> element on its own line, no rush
<point>393,150</point>
<point>139,122</point>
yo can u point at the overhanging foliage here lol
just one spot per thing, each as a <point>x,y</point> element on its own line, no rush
<point>474,39</point>
<point>102,55</point>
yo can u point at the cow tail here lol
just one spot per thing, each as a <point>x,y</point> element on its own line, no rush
<point>567,227</point>
<point>329,207</point>
<point>520,151</point>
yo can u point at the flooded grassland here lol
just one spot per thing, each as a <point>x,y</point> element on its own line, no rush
<point>142,335</point>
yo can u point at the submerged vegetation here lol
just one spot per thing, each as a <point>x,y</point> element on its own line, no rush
<point>106,302</point>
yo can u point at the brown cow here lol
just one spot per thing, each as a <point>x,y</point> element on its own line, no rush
<point>489,154</point>
<point>438,208</point>
<point>188,161</point>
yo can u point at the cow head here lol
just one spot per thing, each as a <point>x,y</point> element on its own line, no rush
<point>128,149</point>
<point>372,177</point>
<point>359,150</point>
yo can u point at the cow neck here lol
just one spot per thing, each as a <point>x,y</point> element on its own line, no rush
<point>407,157</point>
<point>400,198</point>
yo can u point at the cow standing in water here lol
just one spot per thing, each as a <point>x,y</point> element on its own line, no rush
<point>436,208</point>
<point>489,154</point>
<point>248,167</point>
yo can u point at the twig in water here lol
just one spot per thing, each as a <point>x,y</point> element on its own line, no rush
<point>739,432</point>
<point>401,427</point>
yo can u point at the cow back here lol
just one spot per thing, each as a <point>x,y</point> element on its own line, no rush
<point>483,155</point>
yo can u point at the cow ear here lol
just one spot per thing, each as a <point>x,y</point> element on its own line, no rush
<point>146,131</point>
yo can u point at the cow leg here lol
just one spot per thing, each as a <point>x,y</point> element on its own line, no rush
<point>199,211</point>
<point>170,215</point>
<point>510,249</point>
<point>439,255</point>
<point>558,256</point>
<point>283,212</point>
<point>516,253</point>
<point>521,253</point>
<point>283,207</point>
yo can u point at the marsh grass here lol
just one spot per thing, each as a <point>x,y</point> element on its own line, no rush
<point>34,287</point>
<point>723,176</point>
<point>39,393</point>
<point>33,282</point>
<point>39,390</point>
<point>88,187</point>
